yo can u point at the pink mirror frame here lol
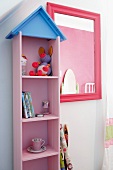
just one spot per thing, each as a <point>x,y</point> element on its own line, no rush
<point>56,8</point>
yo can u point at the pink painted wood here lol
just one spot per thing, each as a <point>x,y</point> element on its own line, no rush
<point>54,97</point>
<point>41,88</point>
<point>17,102</point>
<point>55,8</point>
<point>49,152</point>
<point>35,164</point>
<point>44,162</point>
<point>36,119</point>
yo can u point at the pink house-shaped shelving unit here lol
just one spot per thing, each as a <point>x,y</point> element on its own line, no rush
<point>37,30</point>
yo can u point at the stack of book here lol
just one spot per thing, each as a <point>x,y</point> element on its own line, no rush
<point>27,106</point>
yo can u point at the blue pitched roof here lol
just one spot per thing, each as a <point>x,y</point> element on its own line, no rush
<point>38,24</point>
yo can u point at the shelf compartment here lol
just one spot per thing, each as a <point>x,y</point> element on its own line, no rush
<point>43,89</point>
<point>45,163</point>
<point>46,117</point>
<point>41,129</point>
<point>30,47</point>
<point>26,156</point>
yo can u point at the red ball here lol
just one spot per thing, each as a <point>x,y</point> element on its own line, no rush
<point>45,69</point>
<point>35,64</point>
<point>42,55</point>
<point>32,73</point>
<point>39,73</point>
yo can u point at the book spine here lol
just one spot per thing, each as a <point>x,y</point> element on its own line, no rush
<point>31,104</point>
<point>27,104</point>
<point>25,115</point>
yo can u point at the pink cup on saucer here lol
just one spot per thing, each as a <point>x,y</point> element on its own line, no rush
<point>37,143</point>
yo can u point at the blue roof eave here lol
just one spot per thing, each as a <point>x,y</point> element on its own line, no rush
<point>48,20</point>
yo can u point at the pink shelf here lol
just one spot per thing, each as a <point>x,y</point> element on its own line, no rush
<point>26,156</point>
<point>41,88</point>
<point>46,117</point>
<point>38,77</point>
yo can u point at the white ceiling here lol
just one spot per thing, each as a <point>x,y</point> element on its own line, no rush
<point>7,7</point>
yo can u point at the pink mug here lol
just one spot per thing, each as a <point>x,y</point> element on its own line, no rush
<point>37,143</point>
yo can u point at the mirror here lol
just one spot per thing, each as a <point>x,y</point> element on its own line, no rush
<point>80,54</point>
<point>69,83</point>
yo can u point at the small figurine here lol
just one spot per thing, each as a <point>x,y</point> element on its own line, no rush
<point>43,68</point>
<point>24,63</point>
<point>45,107</point>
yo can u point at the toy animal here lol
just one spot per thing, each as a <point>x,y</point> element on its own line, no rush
<point>43,68</point>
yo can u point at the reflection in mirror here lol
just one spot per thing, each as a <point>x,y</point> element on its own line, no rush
<point>80,54</point>
<point>69,83</point>
<point>74,22</point>
<point>77,52</point>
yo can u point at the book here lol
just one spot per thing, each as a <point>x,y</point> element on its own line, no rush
<point>24,109</point>
<point>31,105</point>
<point>27,103</point>
<point>27,106</point>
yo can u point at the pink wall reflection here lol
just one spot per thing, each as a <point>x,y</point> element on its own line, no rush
<point>77,53</point>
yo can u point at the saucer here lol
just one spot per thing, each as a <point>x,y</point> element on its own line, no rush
<point>30,149</point>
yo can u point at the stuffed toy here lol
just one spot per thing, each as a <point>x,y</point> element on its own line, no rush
<point>43,67</point>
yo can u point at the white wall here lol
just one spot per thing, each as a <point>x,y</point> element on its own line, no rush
<point>85,119</point>
<point>7,5</point>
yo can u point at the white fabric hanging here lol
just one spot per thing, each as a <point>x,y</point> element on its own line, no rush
<point>108,154</point>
